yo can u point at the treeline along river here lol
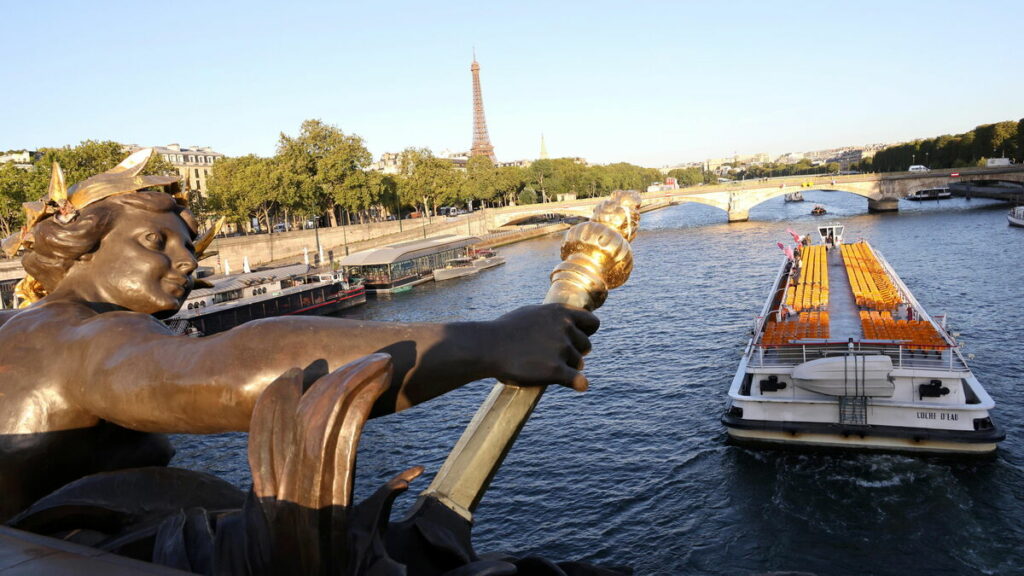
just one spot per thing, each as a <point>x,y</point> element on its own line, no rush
<point>638,471</point>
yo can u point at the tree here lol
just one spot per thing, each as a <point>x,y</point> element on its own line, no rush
<point>509,180</point>
<point>426,179</point>
<point>249,187</point>
<point>540,171</point>
<point>690,176</point>
<point>324,167</point>
<point>1020,141</point>
<point>527,196</point>
<point>481,179</point>
<point>15,187</point>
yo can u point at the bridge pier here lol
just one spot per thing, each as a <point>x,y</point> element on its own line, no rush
<point>739,215</point>
<point>883,205</point>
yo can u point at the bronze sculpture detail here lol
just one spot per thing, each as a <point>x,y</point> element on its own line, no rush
<point>90,380</point>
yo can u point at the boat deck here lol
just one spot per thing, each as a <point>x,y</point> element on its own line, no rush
<point>830,314</point>
<point>844,322</point>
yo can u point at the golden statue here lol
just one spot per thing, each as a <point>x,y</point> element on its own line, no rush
<point>90,380</point>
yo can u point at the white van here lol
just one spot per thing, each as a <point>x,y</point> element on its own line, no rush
<point>918,168</point>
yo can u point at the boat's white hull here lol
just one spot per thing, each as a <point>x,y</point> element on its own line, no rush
<point>485,263</point>
<point>858,442</point>
<point>1016,221</point>
<point>450,273</point>
<point>475,266</point>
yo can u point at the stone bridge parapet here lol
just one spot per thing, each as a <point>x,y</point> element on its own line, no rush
<point>882,191</point>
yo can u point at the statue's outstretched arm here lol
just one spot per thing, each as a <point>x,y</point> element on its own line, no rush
<point>134,373</point>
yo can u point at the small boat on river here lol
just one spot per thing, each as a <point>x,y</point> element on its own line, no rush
<point>843,355</point>
<point>818,210</point>
<point>931,194</point>
<point>1016,216</point>
<point>455,268</point>
<point>475,261</point>
<point>284,291</point>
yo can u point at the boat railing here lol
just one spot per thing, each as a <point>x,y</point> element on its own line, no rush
<point>902,355</point>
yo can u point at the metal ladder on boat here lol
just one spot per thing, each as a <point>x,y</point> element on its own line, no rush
<point>853,410</point>
<point>853,404</point>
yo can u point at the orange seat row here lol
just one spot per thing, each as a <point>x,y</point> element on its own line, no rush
<point>806,325</point>
<point>808,289</point>
<point>871,285</point>
<point>915,334</point>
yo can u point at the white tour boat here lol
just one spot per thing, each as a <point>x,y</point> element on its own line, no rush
<point>843,355</point>
<point>475,261</point>
<point>1016,216</point>
<point>931,194</point>
<point>455,268</point>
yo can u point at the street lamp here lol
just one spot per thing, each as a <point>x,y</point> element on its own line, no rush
<point>912,156</point>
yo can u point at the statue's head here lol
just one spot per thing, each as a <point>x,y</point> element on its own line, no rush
<point>107,242</point>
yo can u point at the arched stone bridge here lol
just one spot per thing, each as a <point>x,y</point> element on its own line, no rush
<point>883,192</point>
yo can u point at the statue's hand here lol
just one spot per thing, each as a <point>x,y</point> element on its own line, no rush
<point>544,345</point>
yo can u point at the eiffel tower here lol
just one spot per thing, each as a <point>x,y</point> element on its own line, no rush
<point>481,141</point>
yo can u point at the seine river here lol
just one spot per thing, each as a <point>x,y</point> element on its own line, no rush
<point>638,470</point>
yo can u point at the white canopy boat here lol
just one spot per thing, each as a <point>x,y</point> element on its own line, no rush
<point>844,356</point>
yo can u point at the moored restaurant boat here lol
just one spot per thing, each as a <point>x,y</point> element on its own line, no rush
<point>399,267</point>
<point>284,291</point>
<point>794,197</point>
<point>1016,216</point>
<point>843,355</point>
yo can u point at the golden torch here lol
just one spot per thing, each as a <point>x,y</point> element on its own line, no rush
<point>596,257</point>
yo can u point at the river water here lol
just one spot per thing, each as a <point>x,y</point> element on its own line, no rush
<point>638,470</point>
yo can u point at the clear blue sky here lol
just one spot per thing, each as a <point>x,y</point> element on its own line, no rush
<point>652,83</point>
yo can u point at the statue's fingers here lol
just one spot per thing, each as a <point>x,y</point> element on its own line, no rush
<point>584,320</point>
<point>580,382</point>
<point>579,340</point>
<point>573,358</point>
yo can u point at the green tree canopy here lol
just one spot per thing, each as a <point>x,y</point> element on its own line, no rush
<point>325,167</point>
<point>427,180</point>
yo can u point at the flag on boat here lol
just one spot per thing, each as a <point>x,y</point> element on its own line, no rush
<point>786,249</point>
<point>796,237</point>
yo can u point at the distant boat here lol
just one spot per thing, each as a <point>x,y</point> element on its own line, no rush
<point>285,291</point>
<point>455,268</point>
<point>931,194</point>
<point>818,210</point>
<point>1016,216</point>
<point>794,197</point>
<point>476,261</point>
